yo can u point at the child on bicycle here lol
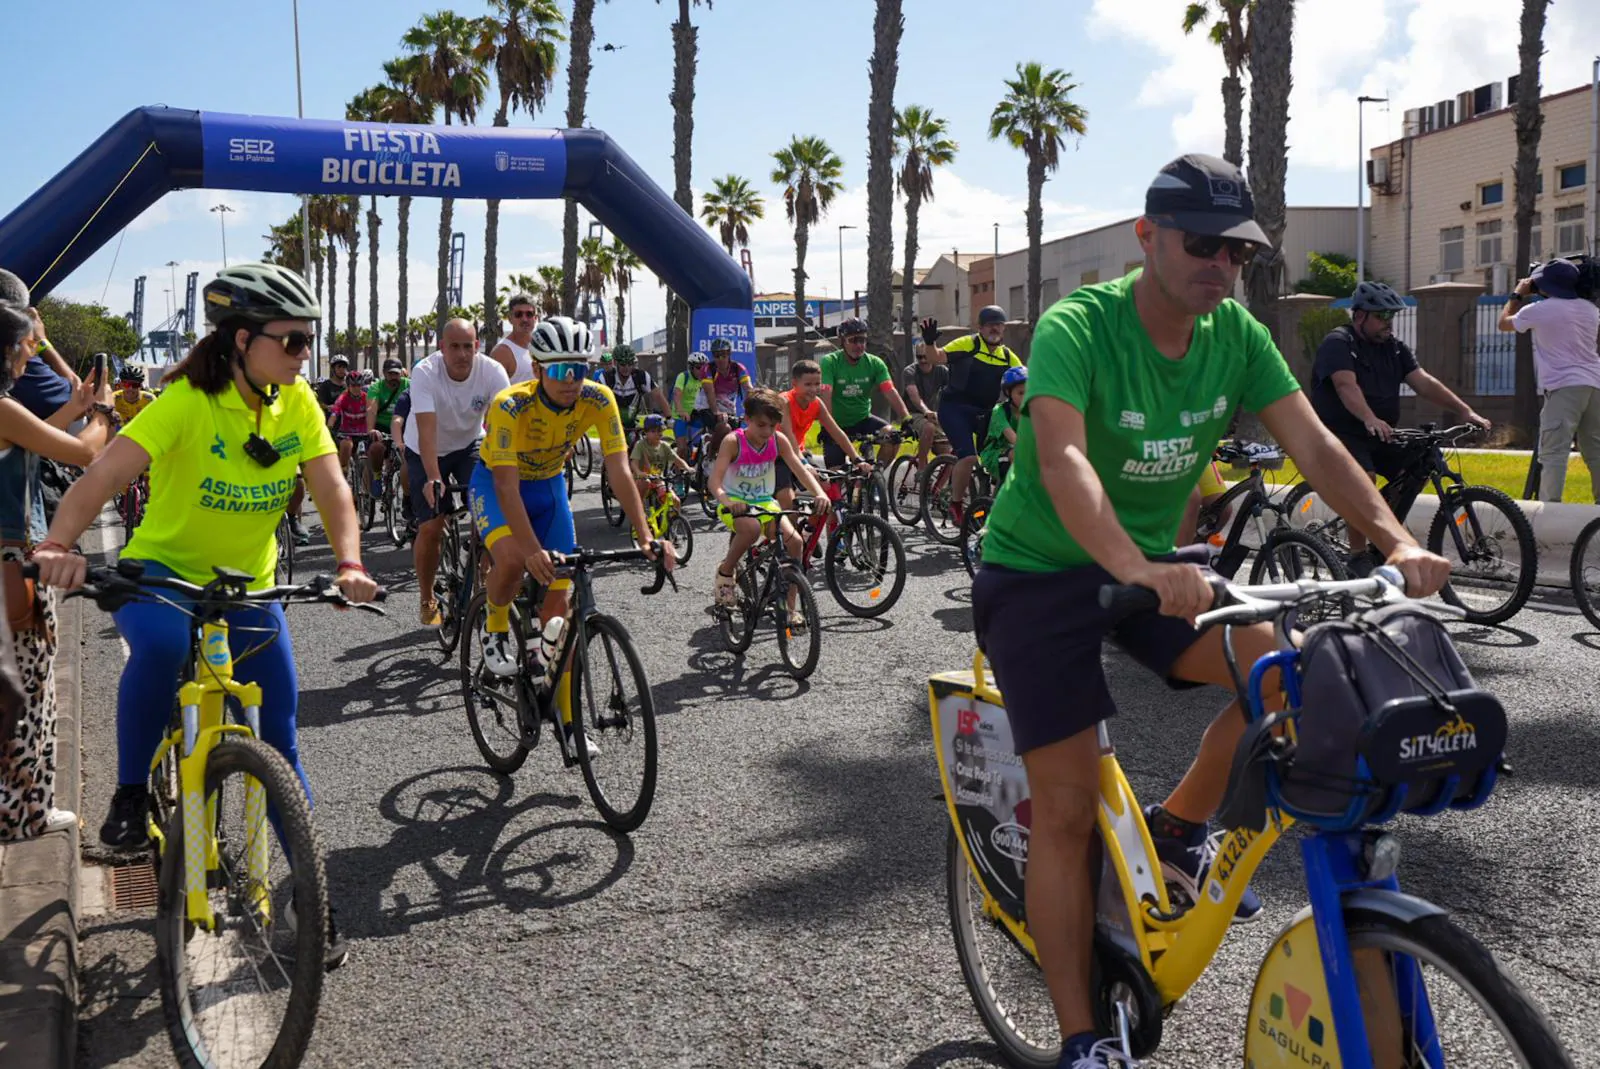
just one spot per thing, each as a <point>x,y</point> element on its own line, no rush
<point>652,457</point>
<point>804,407</point>
<point>1002,432</point>
<point>348,416</point>
<point>744,483</point>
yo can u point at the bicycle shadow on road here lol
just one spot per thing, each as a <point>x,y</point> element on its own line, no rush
<point>957,1052</point>
<point>403,683</point>
<point>449,825</point>
<point>718,675</point>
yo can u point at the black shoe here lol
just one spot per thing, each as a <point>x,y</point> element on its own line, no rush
<point>127,824</point>
<point>1361,564</point>
<point>298,529</point>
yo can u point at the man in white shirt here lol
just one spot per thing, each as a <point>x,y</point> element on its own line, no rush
<point>1567,367</point>
<point>450,392</point>
<point>512,352</point>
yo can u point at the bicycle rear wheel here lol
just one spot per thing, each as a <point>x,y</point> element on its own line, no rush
<point>1305,510</point>
<point>493,702</point>
<point>904,481</point>
<point>246,992</point>
<point>449,583</point>
<point>615,711</point>
<point>1288,556</point>
<point>800,648</point>
<point>1497,554</point>
<point>1586,571</point>
<point>865,566</point>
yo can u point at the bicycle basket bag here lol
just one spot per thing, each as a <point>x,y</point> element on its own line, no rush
<point>1390,721</point>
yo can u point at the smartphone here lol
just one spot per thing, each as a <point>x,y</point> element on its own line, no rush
<point>99,368</point>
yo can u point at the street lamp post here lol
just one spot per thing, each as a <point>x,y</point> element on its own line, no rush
<point>305,199</point>
<point>221,211</point>
<point>842,228</point>
<point>1361,183</point>
<point>997,243</point>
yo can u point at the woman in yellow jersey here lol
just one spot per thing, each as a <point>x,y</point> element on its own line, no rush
<point>223,442</point>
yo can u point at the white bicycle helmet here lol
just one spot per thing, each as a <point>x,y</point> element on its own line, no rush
<point>560,339</point>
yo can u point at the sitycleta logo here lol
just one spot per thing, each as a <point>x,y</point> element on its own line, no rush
<point>1459,734</point>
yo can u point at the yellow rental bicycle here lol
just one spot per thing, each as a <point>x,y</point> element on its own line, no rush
<point>1364,977</point>
<point>241,926</point>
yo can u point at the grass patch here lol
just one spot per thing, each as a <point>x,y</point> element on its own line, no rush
<point>1506,472</point>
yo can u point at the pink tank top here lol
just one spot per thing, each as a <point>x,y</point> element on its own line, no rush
<point>753,474</point>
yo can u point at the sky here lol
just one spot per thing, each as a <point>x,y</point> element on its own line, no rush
<point>765,74</point>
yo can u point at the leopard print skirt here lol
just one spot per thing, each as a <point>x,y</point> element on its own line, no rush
<point>28,758</point>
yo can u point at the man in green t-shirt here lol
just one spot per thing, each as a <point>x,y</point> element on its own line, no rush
<point>850,376</point>
<point>380,413</point>
<point>1131,385</point>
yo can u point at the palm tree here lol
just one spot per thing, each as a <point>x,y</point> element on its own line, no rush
<point>1036,115</point>
<point>352,238</point>
<point>623,264</point>
<point>286,245</point>
<point>1271,50</point>
<point>405,100</point>
<point>550,291</point>
<point>593,274</point>
<point>809,172</point>
<point>729,207</point>
<point>519,40</point>
<point>887,27</point>
<point>685,49</point>
<point>1231,33</point>
<point>458,81</point>
<point>388,334</point>
<point>578,65</point>
<point>327,215</point>
<point>1529,124</point>
<point>367,106</point>
<point>921,141</point>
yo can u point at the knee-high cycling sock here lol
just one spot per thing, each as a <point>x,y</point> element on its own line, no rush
<point>499,618</point>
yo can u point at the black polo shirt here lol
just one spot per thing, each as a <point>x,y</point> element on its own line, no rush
<point>1380,369</point>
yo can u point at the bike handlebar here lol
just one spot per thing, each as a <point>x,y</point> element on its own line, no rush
<point>1241,603</point>
<point>584,559</point>
<point>111,588</point>
<point>1433,435</point>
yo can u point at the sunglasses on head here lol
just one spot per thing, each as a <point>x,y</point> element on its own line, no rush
<point>294,342</point>
<point>1206,246</point>
<point>566,371</point>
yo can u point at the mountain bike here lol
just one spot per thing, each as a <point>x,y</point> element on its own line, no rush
<point>762,583</point>
<point>1481,528</point>
<point>934,497</point>
<point>904,477</point>
<point>1586,571</point>
<point>393,497</point>
<point>1366,977</point>
<point>583,689</point>
<point>864,561</point>
<point>874,496</point>
<point>664,513</point>
<point>236,847</point>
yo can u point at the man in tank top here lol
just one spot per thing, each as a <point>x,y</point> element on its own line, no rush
<point>512,352</point>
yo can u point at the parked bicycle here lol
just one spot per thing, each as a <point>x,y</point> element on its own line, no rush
<point>1494,558</point>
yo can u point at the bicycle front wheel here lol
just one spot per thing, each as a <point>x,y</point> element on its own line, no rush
<point>865,566</point>
<point>393,515</point>
<point>904,483</point>
<point>608,501</point>
<point>246,991</point>
<point>738,621</point>
<point>1494,559</point>
<point>1288,556</point>
<point>493,702</point>
<point>448,584</point>
<point>615,712</point>
<point>800,632</point>
<point>933,499</point>
<point>681,535</point>
<point>1586,571</point>
<point>972,527</point>
<point>583,457</point>
<point>284,573</point>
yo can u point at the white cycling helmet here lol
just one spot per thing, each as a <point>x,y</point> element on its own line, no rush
<point>560,339</point>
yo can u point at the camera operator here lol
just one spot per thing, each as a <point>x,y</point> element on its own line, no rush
<point>1566,366</point>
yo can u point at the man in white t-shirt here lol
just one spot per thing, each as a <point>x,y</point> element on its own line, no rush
<point>1567,367</point>
<point>512,352</point>
<point>450,392</point>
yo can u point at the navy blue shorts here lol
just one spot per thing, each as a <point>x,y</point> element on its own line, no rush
<point>962,424</point>
<point>832,455</point>
<point>453,468</point>
<point>1042,633</point>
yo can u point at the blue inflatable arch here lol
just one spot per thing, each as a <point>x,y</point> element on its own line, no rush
<point>153,150</point>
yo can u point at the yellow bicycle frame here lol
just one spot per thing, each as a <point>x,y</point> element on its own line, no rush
<point>1174,950</point>
<point>202,704</point>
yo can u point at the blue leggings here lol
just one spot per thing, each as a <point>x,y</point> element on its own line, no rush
<point>158,644</point>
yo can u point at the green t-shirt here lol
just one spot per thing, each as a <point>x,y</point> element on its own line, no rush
<point>1150,423</point>
<point>651,459</point>
<point>386,399</point>
<point>853,385</point>
<point>1001,419</point>
<point>210,504</point>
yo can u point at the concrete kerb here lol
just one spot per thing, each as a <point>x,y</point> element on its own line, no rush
<point>1555,530</point>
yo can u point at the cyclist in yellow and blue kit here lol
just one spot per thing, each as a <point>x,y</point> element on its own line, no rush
<point>519,494</point>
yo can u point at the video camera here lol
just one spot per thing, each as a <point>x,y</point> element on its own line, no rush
<point>1588,286</point>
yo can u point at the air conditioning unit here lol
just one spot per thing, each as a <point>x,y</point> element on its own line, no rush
<point>1500,278</point>
<point>1418,121</point>
<point>1378,171</point>
<point>1444,114</point>
<point>1436,279</point>
<point>1486,98</point>
<point>1464,105</point>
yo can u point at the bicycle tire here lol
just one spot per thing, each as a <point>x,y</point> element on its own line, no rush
<point>1467,498</point>
<point>567,468</point>
<point>583,457</point>
<point>972,528</point>
<point>393,508</point>
<point>806,601</point>
<point>1437,940</point>
<point>875,496</point>
<point>1586,576</point>
<point>308,880</point>
<point>1303,548</point>
<point>448,586</point>
<point>1019,1048</point>
<point>608,501</point>
<point>702,485</point>
<point>1313,516</point>
<point>609,735</point>
<point>497,705</point>
<point>681,535</point>
<point>904,483</point>
<point>130,511</point>
<point>868,544</point>
<point>737,622</point>
<point>283,574</point>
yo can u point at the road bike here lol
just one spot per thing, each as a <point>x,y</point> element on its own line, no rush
<point>663,511</point>
<point>359,475</point>
<point>1481,528</point>
<point>130,505</point>
<point>241,917</point>
<point>863,558</point>
<point>283,574</point>
<point>1586,571</point>
<point>762,584</point>
<point>1365,977</point>
<point>461,561</point>
<point>592,687</point>
<point>392,499</point>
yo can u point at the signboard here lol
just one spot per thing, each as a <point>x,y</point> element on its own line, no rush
<point>329,156</point>
<point>737,325</point>
<point>785,309</point>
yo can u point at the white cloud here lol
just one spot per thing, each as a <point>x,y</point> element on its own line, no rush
<point>1415,52</point>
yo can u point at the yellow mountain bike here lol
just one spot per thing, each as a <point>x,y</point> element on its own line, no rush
<point>1365,977</point>
<point>241,919</point>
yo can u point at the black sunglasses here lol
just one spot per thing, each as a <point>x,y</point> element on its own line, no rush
<point>1385,316</point>
<point>525,313</point>
<point>294,342</point>
<point>1206,246</point>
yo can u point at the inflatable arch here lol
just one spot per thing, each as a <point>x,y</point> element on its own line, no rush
<point>152,150</point>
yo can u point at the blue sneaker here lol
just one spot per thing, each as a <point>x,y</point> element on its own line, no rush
<point>1184,862</point>
<point>1086,1052</point>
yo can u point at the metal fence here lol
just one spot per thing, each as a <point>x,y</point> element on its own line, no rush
<point>1490,355</point>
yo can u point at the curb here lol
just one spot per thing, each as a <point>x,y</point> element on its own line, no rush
<point>1555,529</point>
<point>39,895</point>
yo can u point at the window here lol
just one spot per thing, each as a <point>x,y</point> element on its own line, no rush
<point>1089,278</point>
<point>1536,237</point>
<point>1489,242</point>
<point>763,321</point>
<point>1451,251</point>
<point>1492,193</point>
<point>1017,301</point>
<point>1570,235</point>
<point>1572,176</point>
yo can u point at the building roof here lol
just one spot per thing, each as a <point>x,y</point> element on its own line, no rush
<point>1544,100</point>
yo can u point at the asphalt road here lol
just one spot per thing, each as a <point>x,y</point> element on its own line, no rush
<point>784,904</point>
